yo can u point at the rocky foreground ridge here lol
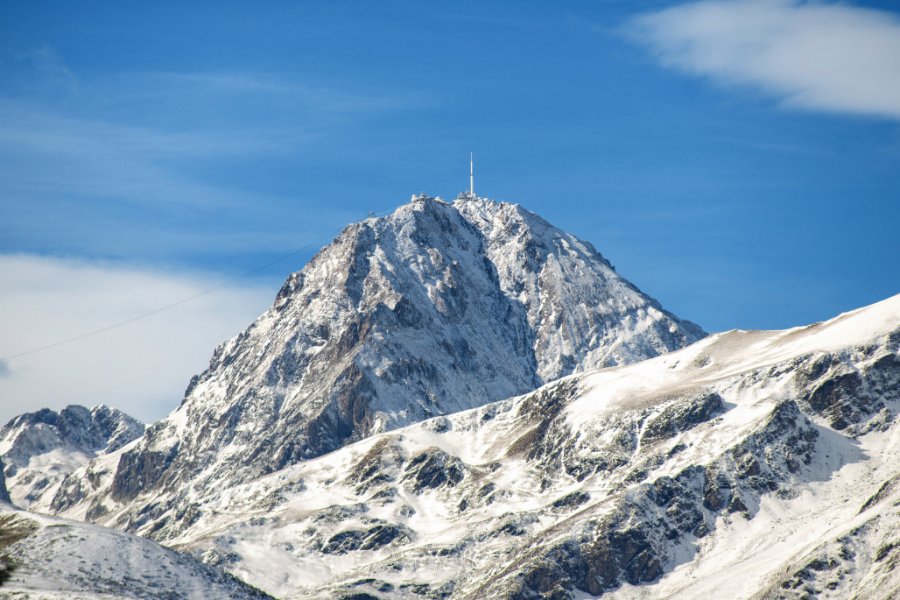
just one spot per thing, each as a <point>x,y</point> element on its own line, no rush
<point>49,558</point>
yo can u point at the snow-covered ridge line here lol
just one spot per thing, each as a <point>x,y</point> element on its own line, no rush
<point>737,351</point>
<point>678,458</point>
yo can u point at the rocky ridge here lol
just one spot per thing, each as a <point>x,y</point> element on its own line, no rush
<point>41,448</point>
<point>434,309</point>
<point>748,465</point>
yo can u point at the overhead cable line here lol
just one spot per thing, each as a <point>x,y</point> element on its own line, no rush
<point>155,311</point>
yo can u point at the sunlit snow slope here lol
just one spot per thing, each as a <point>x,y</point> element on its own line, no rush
<point>49,558</point>
<point>752,464</point>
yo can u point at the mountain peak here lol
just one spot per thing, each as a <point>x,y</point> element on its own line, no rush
<point>41,448</point>
<point>435,308</point>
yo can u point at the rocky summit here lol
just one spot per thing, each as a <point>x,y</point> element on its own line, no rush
<point>436,308</point>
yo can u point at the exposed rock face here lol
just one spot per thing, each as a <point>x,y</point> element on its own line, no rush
<point>434,309</point>
<point>432,469</point>
<point>583,315</point>
<point>4,493</point>
<point>718,470</point>
<point>635,543</point>
<point>42,447</point>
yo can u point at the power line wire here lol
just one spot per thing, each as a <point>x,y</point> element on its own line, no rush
<point>155,311</point>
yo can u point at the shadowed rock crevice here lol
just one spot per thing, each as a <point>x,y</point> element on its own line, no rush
<point>433,469</point>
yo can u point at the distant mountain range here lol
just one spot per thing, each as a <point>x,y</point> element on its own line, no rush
<point>41,448</point>
<point>459,400</point>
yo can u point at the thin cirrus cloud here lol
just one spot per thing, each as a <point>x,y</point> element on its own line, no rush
<point>46,61</point>
<point>139,162</point>
<point>292,88</point>
<point>53,153</point>
<point>811,55</point>
<point>130,145</point>
<point>141,367</point>
<point>126,135</point>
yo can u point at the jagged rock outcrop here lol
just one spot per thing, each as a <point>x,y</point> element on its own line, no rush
<point>43,447</point>
<point>4,493</point>
<point>433,309</point>
<point>714,471</point>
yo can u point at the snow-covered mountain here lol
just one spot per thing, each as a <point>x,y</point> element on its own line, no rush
<point>49,558</point>
<point>752,464</point>
<point>39,449</point>
<point>421,415</point>
<point>434,309</point>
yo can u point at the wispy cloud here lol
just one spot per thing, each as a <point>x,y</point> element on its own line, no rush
<point>55,153</point>
<point>173,162</point>
<point>811,55</point>
<point>142,367</point>
<point>130,148</point>
<point>50,66</point>
<point>296,88</point>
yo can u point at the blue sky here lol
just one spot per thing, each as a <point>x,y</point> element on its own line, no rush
<point>739,161</point>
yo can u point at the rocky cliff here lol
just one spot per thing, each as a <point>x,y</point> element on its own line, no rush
<point>43,447</point>
<point>434,309</point>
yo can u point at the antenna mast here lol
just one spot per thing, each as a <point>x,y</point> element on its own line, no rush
<point>471,175</point>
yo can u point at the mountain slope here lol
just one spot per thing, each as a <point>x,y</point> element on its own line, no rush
<point>433,309</point>
<point>42,447</point>
<point>53,558</point>
<point>583,314</point>
<point>751,464</point>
